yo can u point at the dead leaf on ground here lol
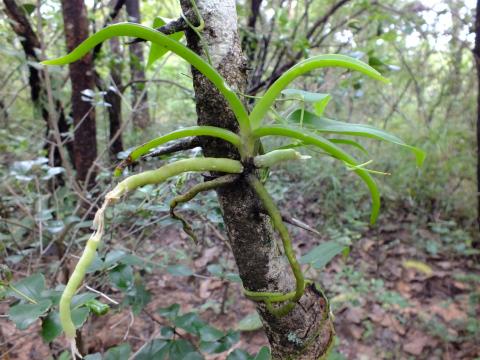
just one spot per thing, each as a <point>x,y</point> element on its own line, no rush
<point>355,315</point>
<point>448,313</point>
<point>416,342</point>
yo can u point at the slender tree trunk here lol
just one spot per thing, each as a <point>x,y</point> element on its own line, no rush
<point>141,117</point>
<point>82,78</point>
<point>302,334</point>
<point>476,54</point>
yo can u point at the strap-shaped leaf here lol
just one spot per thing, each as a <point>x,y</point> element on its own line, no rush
<point>325,125</point>
<point>319,100</point>
<point>333,140</point>
<point>156,50</point>
<point>316,62</point>
<point>146,33</point>
<point>350,143</point>
<point>213,131</point>
<point>310,138</point>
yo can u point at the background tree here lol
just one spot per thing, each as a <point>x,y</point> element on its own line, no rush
<point>141,117</point>
<point>36,79</point>
<point>82,78</point>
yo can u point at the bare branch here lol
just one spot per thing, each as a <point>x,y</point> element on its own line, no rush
<point>180,145</point>
<point>167,29</point>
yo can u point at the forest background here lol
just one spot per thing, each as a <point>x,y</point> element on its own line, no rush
<point>409,287</point>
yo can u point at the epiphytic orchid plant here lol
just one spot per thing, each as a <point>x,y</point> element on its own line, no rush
<point>251,130</point>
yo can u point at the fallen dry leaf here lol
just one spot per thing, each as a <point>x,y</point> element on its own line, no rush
<point>415,343</point>
<point>448,313</point>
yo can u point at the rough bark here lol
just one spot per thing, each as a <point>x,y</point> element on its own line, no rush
<point>82,77</point>
<point>38,93</point>
<point>476,54</point>
<point>302,334</point>
<point>141,117</point>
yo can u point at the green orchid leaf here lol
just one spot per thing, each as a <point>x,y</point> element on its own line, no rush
<point>305,66</point>
<point>178,134</point>
<point>350,143</point>
<point>156,50</point>
<point>149,34</point>
<point>333,140</point>
<point>319,100</point>
<point>330,148</point>
<point>325,125</point>
<point>307,96</point>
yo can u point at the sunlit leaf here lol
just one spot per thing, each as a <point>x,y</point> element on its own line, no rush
<point>251,322</point>
<point>325,125</point>
<point>157,51</point>
<point>24,315</point>
<point>322,254</point>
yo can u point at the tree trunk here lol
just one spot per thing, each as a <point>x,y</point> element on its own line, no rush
<point>82,78</point>
<point>302,334</point>
<point>114,98</point>
<point>38,93</point>
<point>476,54</point>
<point>141,117</point>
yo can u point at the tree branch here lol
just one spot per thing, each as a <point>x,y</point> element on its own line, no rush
<point>179,145</point>
<point>111,17</point>
<point>168,29</point>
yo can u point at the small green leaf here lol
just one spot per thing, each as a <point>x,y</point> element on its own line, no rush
<point>122,277</point>
<point>30,287</point>
<point>220,345</point>
<point>114,257</point>
<point>319,100</point>
<point>251,322</point>
<point>179,349</point>
<point>322,254</point>
<point>215,270</point>
<point>51,327</point>
<point>82,299</point>
<point>96,356</point>
<point>28,8</point>
<point>325,125</point>
<point>350,143</point>
<point>170,312</point>
<point>180,270</point>
<point>119,352</point>
<point>239,354</point>
<point>157,51</point>
<point>24,315</point>
<point>138,297</point>
<point>189,322</point>
<point>79,316</point>
<point>233,277</point>
<point>263,354</point>
<point>156,349</point>
<point>209,333</point>
<point>193,356</point>
<point>307,96</point>
<point>97,307</point>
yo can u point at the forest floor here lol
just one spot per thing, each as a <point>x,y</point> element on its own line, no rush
<point>393,298</point>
